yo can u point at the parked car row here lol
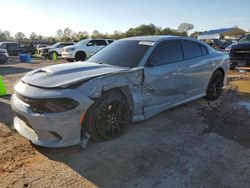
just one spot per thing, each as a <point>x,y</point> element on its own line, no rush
<point>14,48</point>
<point>84,49</point>
<point>4,56</point>
<point>240,52</point>
<point>74,52</point>
<point>56,49</point>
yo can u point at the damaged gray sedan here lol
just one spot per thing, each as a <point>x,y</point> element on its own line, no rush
<point>130,80</point>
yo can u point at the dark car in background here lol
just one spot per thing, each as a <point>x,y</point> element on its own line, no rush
<point>4,56</point>
<point>240,52</point>
<point>14,48</point>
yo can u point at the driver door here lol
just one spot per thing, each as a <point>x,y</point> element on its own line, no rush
<point>166,79</point>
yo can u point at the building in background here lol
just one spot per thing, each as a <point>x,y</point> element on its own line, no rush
<point>225,33</point>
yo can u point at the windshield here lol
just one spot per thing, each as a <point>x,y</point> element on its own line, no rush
<point>245,38</point>
<point>82,42</point>
<point>124,53</point>
<point>55,45</point>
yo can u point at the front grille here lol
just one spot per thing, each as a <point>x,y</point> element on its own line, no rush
<point>240,53</point>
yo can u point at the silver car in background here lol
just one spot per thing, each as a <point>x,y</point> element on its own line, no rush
<point>131,79</point>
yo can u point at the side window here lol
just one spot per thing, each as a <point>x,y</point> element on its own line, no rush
<point>92,43</point>
<point>168,52</point>
<point>12,45</point>
<point>191,49</point>
<point>3,45</point>
<point>203,50</point>
<point>110,41</point>
<point>101,43</point>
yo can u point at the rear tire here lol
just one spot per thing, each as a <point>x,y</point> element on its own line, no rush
<point>107,118</point>
<point>80,56</point>
<point>215,85</point>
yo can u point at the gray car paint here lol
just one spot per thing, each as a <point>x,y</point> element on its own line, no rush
<point>149,90</point>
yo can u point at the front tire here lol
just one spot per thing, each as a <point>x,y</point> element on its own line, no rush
<point>215,85</point>
<point>106,119</point>
<point>80,56</point>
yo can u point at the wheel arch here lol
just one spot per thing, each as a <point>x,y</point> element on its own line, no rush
<point>81,51</point>
<point>124,91</point>
<point>222,71</point>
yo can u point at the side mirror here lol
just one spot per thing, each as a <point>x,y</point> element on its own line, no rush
<point>150,63</point>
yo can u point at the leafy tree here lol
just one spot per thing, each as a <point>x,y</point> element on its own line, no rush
<point>5,35</point>
<point>195,34</point>
<point>96,34</point>
<point>185,27</point>
<point>33,36</point>
<point>59,33</point>
<point>82,35</point>
<point>19,36</point>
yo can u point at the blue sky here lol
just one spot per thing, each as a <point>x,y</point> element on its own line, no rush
<point>46,16</point>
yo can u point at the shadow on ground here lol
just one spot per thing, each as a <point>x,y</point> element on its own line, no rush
<point>8,70</point>
<point>231,119</point>
<point>6,111</point>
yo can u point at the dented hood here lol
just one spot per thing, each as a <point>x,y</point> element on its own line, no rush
<point>69,73</point>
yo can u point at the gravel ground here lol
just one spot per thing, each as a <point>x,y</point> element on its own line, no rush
<point>199,144</point>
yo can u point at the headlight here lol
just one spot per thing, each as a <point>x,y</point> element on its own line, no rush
<point>71,49</point>
<point>59,105</point>
<point>51,105</point>
<point>228,49</point>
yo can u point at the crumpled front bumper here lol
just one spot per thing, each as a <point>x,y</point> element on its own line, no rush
<point>49,129</point>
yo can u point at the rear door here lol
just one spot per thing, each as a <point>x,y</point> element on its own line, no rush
<point>165,78</point>
<point>198,67</point>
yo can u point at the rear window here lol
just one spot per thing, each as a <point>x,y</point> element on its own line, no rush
<point>191,49</point>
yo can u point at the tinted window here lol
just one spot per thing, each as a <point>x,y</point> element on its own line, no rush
<point>110,41</point>
<point>204,50</point>
<point>91,43</point>
<point>191,49</point>
<point>66,44</point>
<point>101,43</point>
<point>124,53</point>
<point>168,52</point>
<point>12,45</point>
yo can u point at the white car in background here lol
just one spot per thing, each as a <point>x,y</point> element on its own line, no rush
<point>84,49</point>
<point>56,49</point>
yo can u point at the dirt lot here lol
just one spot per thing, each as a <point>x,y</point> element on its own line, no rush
<point>199,144</point>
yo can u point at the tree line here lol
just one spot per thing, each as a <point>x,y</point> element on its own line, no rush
<point>69,35</point>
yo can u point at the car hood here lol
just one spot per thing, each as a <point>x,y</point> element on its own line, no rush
<point>241,45</point>
<point>66,74</point>
<point>3,51</point>
<point>73,46</point>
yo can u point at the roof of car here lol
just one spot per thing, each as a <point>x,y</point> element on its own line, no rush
<point>150,37</point>
<point>156,37</point>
